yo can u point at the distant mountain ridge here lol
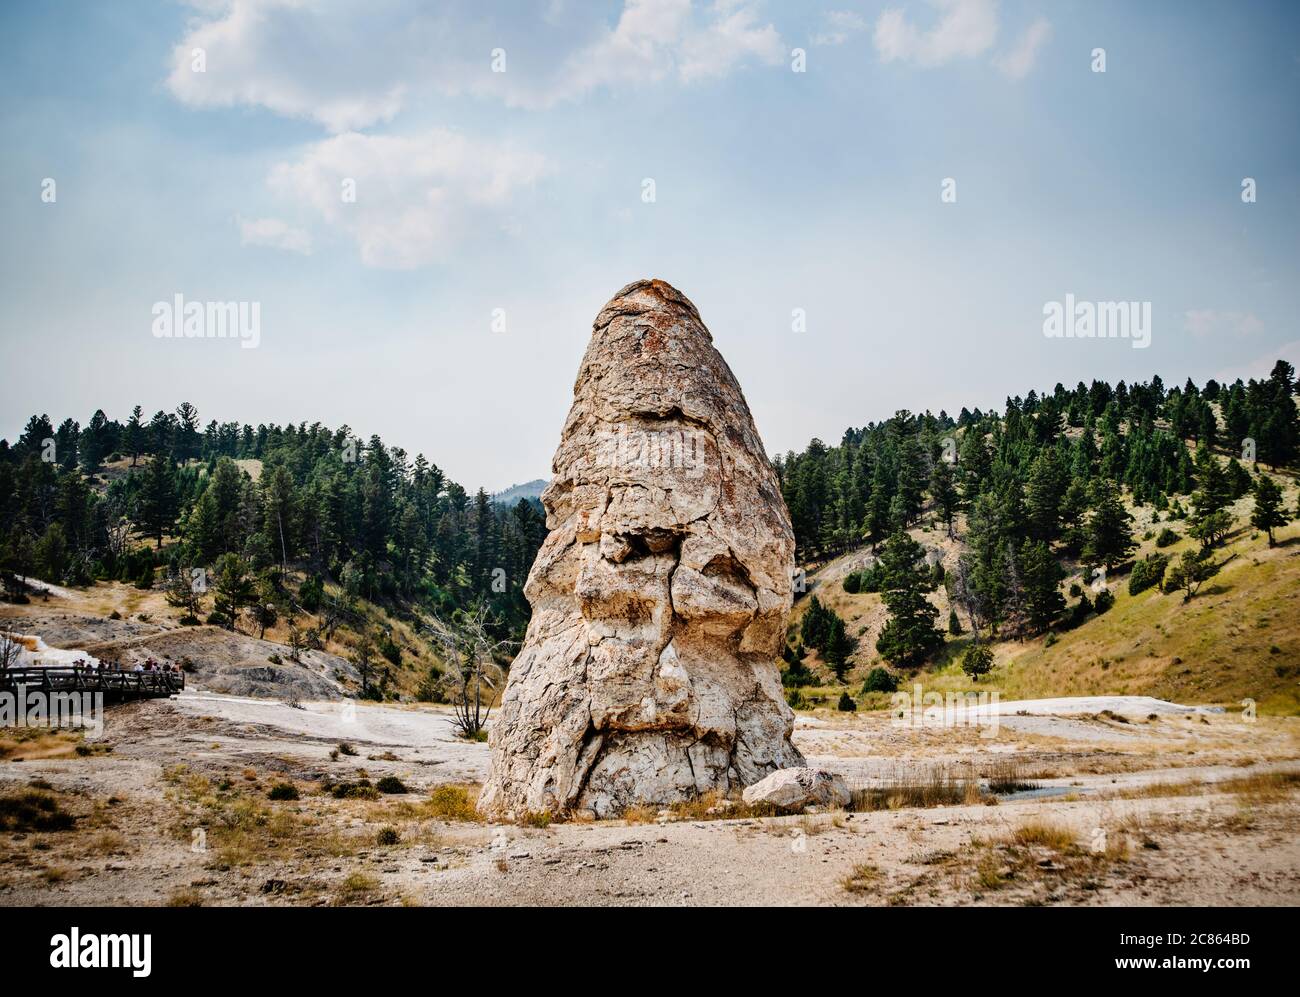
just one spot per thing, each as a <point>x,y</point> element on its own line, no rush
<point>528,490</point>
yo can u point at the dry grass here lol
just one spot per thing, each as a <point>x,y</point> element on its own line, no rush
<point>54,874</point>
<point>932,786</point>
<point>36,743</point>
<point>357,887</point>
<point>1037,832</point>
<point>34,809</point>
<point>863,878</point>
<point>1258,787</point>
<point>1039,857</point>
<point>714,805</point>
<point>453,801</point>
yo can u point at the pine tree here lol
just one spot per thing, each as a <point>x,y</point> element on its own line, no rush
<point>1044,495</point>
<point>909,635</point>
<point>839,647</point>
<point>1108,537</point>
<point>943,490</point>
<point>1041,577</point>
<point>1210,520</point>
<point>1269,512</point>
<point>1190,572</point>
<point>232,589</point>
<point>135,434</point>
<point>156,507</point>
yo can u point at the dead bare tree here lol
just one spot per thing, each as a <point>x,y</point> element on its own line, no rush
<point>9,651</point>
<point>471,651</point>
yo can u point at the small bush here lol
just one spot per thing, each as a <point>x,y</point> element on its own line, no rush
<point>1166,538</point>
<point>115,615</point>
<point>1147,573</point>
<point>33,810</point>
<point>388,835</point>
<point>846,704</point>
<point>880,680</point>
<point>391,784</point>
<point>978,661</point>
<point>852,583</point>
<point>283,791</point>
<point>346,749</point>
<point>274,658</point>
<point>1104,601</point>
<point>451,801</point>
<point>359,790</point>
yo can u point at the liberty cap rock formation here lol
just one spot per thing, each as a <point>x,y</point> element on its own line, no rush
<point>648,674</point>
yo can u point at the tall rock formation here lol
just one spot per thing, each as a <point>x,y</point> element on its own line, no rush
<point>648,674</point>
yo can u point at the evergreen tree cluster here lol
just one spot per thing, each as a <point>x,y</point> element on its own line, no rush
<point>364,515</point>
<point>1048,480</point>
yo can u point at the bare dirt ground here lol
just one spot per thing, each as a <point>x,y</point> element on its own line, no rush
<point>1134,806</point>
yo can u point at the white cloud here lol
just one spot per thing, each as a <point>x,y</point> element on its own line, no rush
<point>301,59</point>
<point>274,233</point>
<point>965,29</point>
<point>1209,322</point>
<point>1017,63</point>
<point>840,25</point>
<point>657,40</point>
<point>418,197</point>
<point>287,56</point>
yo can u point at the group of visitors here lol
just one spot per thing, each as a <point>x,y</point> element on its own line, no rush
<point>148,665</point>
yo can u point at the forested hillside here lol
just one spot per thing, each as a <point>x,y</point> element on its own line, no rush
<point>1010,506</point>
<point>267,514</point>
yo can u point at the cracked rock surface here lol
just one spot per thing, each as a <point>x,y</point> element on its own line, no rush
<point>648,674</point>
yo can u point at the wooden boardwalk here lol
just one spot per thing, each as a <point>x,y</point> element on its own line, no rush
<point>113,684</point>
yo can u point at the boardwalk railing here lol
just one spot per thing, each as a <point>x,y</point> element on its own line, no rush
<point>108,681</point>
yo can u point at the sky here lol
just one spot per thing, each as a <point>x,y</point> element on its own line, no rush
<point>872,205</point>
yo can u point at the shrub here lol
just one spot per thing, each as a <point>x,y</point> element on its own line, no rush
<point>387,835</point>
<point>389,649</point>
<point>1166,538</point>
<point>274,658</point>
<point>978,661</point>
<point>880,680</point>
<point>869,578</point>
<point>346,749</point>
<point>797,674</point>
<point>794,699</point>
<point>115,615</point>
<point>1147,573</point>
<point>846,704</point>
<point>359,790</point>
<point>1104,601</point>
<point>391,784</point>
<point>283,791</point>
<point>852,583</point>
<point>1079,611</point>
<point>954,624</point>
<point>1075,591</point>
<point>310,593</point>
<point>33,810</point>
<point>451,801</point>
